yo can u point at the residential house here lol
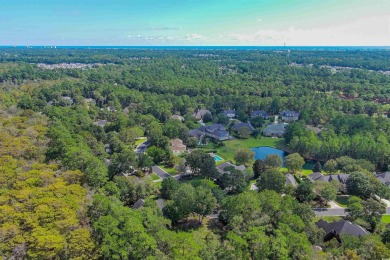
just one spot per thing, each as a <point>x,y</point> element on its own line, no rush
<point>160,204</point>
<point>238,126</point>
<point>261,113</point>
<point>68,99</point>
<point>341,227</point>
<point>101,123</point>
<point>275,130</point>
<point>313,128</point>
<point>384,178</point>
<point>127,109</point>
<point>199,113</point>
<point>289,116</point>
<point>230,113</point>
<point>341,178</point>
<point>177,147</point>
<point>177,117</point>
<point>215,131</point>
<point>138,204</point>
<point>197,133</point>
<point>221,168</point>
<point>89,101</point>
<point>290,180</point>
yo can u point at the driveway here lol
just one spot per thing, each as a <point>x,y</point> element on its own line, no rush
<point>334,205</point>
<point>142,147</point>
<point>160,172</point>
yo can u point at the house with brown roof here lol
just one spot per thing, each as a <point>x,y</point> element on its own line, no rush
<point>177,146</point>
<point>200,113</point>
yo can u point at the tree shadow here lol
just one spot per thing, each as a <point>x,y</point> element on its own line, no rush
<point>188,225</point>
<point>216,226</point>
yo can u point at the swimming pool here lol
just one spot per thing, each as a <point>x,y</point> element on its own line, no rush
<point>217,158</point>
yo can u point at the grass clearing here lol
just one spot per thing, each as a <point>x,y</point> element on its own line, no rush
<point>139,141</point>
<point>328,218</point>
<point>386,219</point>
<point>169,170</point>
<point>155,176</point>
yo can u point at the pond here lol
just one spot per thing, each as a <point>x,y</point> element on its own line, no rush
<point>262,152</point>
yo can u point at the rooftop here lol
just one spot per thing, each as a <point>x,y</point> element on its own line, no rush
<point>342,227</point>
<point>221,167</point>
<point>237,126</point>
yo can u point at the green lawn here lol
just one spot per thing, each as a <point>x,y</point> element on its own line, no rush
<point>227,151</point>
<point>155,176</point>
<point>139,141</point>
<point>328,218</point>
<point>342,201</point>
<point>386,219</point>
<point>171,171</point>
<point>307,169</point>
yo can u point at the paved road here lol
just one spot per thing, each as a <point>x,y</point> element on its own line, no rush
<point>321,212</point>
<point>142,147</point>
<point>160,172</point>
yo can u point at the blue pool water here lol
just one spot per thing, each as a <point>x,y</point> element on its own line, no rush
<point>262,152</point>
<point>217,158</point>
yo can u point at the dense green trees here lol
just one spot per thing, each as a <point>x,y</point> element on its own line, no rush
<point>248,232</point>
<point>305,192</point>
<point>44,205</point>
<point>244,156</point>
<point>258,168</point>
<point>201,164</point>
<point>271,179</point>
<point>273,161</point>
<point>359,184</point>
<point>294,162</point>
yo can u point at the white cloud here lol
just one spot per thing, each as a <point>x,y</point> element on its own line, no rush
<point>194,37</point>
<point>365,31</point>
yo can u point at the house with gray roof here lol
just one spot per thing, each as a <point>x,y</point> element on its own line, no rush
<point>260,113</point>
<point>160,204</point>
<point>290,180</point>
<point>101,123</point>
<point>197,133</point>
<point>289,116</point>
<point>215,131</point>
<point>138,204</point>
<point>238,126</point>
<point>341,227</point>
<point>275,130</point>
<point>384,178</point>
<point>230,113</point>
<point>221,168</point>
<point>317,176</point>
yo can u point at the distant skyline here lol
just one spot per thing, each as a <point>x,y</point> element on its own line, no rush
<point>195,23</point>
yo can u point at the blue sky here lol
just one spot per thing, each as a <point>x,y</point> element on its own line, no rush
<point>195,22</point>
